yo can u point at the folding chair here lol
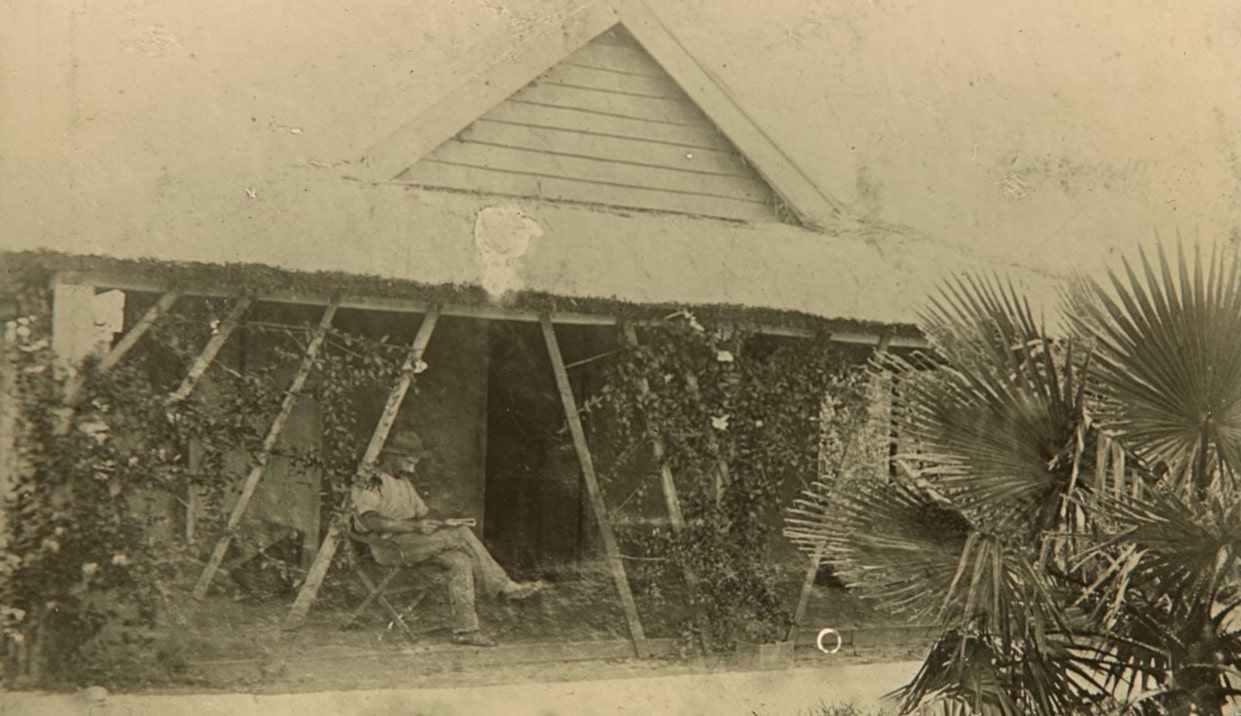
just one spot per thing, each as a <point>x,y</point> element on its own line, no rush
<point>385,553</point>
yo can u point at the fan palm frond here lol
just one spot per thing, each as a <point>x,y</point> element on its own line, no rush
<point>908,549</point>
<point>1186,548</point>
<point>1167,360</point>
<point>892,539</point>
<point>1001,417</point>
<point>1164,592</point>
<point>977,673</point>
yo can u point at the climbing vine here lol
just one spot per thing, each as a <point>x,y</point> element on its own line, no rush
<point>740,420</point>
<point>96,547</point>
<point>105,466</point>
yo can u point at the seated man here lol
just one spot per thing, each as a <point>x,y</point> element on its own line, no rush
<point>388,505</point>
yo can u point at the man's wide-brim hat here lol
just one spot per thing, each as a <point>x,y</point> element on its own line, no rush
<point>406,443</point>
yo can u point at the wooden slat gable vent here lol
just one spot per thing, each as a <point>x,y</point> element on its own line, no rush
<point>606,126</point>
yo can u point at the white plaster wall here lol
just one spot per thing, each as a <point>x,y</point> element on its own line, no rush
<point>1042,136</point>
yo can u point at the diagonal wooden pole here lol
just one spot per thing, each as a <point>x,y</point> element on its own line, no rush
<point>592,489</point>
<point>130,339</point>
<point>8,428</point>
<point>269,444</point>
<point>74,389</point>
<point>673,503</point>
<point>719,476</point>
<point>197,370</point>
<point>323,558</point>
<point>812,569</point>
<point>209,352</point>
<point>671,500</point>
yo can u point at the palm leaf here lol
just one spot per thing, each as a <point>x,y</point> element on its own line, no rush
<point>892,540</point>
<point>906,548</point>
<point>979,674</point>
<point>1162,599</point>
<point>1000,416</point>
<point>1167,360</point>
<point>1187,546</point>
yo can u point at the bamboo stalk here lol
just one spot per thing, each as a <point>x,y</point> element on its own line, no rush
<point>269,443</point>
<point>331,541</point>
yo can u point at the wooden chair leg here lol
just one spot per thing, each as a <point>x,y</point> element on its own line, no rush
<point>377,594</point>
<point>374,592</point>
<point>398,619</point>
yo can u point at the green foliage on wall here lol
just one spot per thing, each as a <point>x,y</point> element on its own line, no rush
<point>740,422</point>
<point>94,548</point>
<point>258,280</point>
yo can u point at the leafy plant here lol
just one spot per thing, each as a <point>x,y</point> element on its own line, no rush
<point>739,421</point>
<point>1068,517</point>
<point>93,551</point>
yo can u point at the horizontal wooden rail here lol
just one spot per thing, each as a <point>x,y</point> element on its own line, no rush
<point>133,282</point>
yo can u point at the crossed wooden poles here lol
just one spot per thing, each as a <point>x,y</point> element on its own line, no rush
<point>318,569</point>
<point>323,558</point>
<point>396,397</point>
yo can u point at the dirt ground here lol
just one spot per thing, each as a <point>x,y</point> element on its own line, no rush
<point>234,641</point>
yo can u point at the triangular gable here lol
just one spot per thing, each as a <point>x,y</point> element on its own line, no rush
<point>606,109</point>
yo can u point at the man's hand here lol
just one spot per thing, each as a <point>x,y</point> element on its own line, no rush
<point>426,527</point>
<point>372,522</point>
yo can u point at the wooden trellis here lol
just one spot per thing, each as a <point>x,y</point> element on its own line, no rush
<point>816,558</point>
<point>598,508</point>
<point>324,555</point>
<point>331,542</point>
<point>318,571</point>
<point>269,444</point>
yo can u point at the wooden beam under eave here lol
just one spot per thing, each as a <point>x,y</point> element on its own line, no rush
<point>595,494</point>
<point>130,282</point>
<point>484,90</point>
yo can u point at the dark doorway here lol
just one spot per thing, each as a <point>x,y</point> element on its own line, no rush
<point>533,495</point>
<point>537,518</point>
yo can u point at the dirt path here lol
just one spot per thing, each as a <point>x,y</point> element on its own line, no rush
<point>794,691</point>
